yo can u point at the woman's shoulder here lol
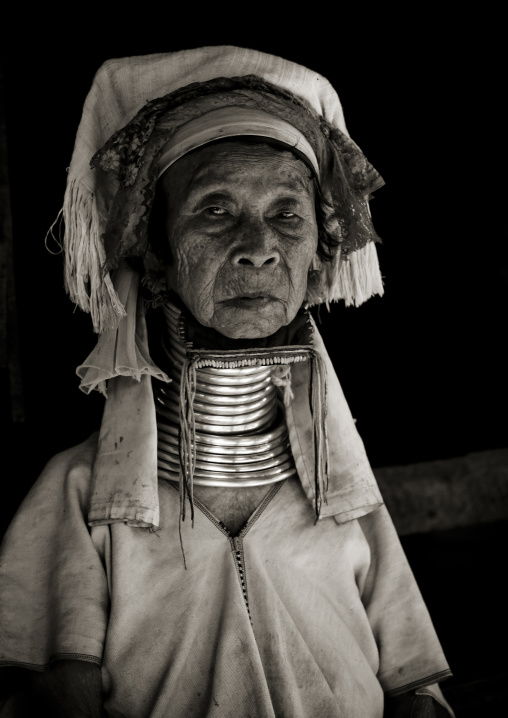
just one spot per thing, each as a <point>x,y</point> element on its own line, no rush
<point>66,476</point>
<point>76,462</point>
<point>57,501</point>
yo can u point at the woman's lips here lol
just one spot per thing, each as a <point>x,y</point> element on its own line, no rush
<point>258,302</point>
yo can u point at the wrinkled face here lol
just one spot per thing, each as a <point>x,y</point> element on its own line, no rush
<point>242,233</point>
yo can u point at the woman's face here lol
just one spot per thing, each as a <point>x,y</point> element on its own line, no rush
<point>242,233</point>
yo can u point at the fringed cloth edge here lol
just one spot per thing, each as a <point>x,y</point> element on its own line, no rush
<point>85,280</point>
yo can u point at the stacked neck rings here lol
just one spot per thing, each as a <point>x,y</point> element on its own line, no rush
<point>241,434</point>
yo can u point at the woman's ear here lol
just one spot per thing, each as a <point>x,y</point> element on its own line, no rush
<point>154,277</point>
<point>316,264</point>
<point>314,280</point>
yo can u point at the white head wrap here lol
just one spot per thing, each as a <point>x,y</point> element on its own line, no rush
<point>120,89</point>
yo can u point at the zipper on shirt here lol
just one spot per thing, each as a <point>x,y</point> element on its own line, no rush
<point>238,555</point>
<point>236,542</point>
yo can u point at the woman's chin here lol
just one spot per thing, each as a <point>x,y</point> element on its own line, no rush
<point>247,332</point>
<point>248,322</point>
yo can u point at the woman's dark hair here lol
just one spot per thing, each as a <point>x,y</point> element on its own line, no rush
<point>327,243</point>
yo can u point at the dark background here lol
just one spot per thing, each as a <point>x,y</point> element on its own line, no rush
<point>423,368</point>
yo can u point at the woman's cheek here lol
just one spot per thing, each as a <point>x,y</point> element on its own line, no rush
<point>197,287</point>
<point>192,258</point>
<point>298,262</point>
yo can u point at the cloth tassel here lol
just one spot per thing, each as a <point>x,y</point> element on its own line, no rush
<point>354,280</point>
<point>319,408</point>
<point>359,277</point>
<point>85,282</point>
<point>187,436</point>
<point>281,377</point>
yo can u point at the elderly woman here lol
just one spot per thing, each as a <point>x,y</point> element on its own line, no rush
<point>221,547</point>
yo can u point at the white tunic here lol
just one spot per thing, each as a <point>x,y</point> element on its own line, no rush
<point>335,620</point>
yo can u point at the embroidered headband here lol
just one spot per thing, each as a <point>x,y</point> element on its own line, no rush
<point>233,122</point>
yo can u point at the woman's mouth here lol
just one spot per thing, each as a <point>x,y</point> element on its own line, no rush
<point>250,302</point>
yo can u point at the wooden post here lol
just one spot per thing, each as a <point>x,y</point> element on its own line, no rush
<point>446,494</point>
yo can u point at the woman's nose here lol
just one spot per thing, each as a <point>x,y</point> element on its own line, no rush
<point>256,249</point>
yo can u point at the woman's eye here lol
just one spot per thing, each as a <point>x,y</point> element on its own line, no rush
<point>216,211</point>
<point>287,216</point>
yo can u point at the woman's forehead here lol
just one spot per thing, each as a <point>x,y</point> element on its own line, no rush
<point>237,165</point>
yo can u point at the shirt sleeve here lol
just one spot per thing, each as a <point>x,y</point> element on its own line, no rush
<point>426,702</point>
<point>409,650</point>
<point>54,599</point>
